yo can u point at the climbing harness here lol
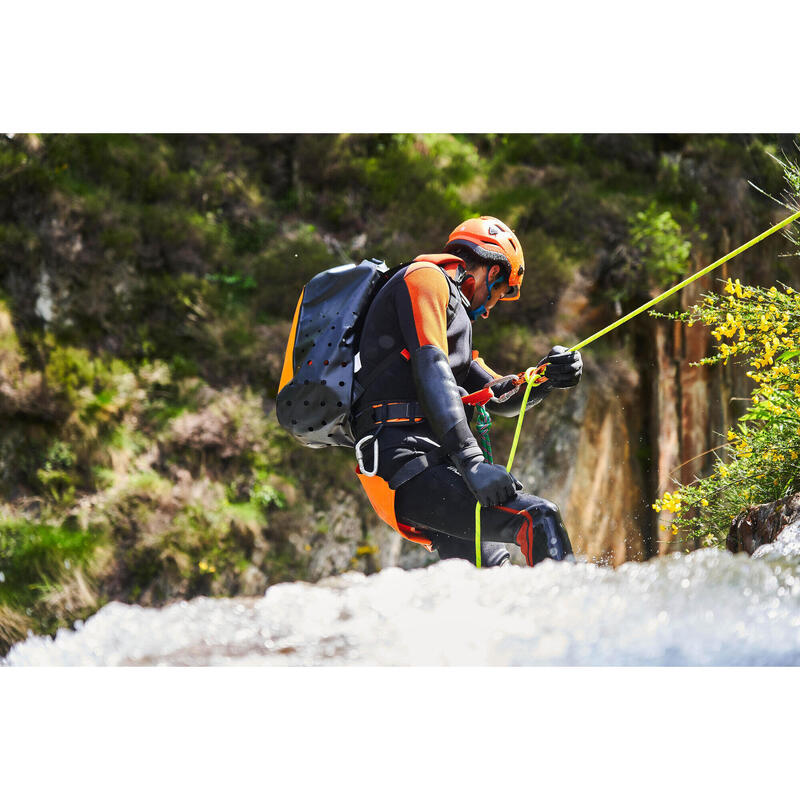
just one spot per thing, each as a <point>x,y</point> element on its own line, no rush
<point>534,376</point>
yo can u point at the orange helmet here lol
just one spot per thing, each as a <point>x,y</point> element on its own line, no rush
<point>494,241</point>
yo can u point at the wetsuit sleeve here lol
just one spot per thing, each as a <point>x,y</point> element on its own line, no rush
<point>422,299</point>
<point>479,374</point>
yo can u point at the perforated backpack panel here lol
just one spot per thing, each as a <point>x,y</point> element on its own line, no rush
<point>315,404</point>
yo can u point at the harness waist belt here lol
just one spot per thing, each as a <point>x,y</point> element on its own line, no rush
<point>400,412</point>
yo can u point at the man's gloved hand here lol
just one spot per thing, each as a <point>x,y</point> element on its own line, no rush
<point>564,368</point>
<point>490,483</point>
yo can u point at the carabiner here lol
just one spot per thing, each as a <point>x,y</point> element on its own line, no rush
<point>503,397</point>
<point>536,374</point>
<point>360,458</point>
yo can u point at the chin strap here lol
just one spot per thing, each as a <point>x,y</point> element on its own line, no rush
<point>481,310</point>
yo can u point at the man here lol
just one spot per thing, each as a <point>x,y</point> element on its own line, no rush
<point>419,462</point>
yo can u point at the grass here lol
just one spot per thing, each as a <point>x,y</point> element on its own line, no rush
<point>44,582</point>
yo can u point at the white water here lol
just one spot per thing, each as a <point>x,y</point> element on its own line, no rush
<point>707,608</point>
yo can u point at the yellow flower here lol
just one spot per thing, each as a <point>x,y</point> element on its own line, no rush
<point>704,502</point>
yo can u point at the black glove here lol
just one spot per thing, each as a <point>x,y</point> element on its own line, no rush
<point>564,367</point>
<point>491,484</point>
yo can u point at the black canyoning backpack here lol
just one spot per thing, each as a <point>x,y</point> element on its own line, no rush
<point>318,387</point>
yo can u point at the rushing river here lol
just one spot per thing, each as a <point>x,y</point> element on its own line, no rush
<point>706,608</point>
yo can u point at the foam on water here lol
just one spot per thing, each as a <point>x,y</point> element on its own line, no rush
<point>707,608</point>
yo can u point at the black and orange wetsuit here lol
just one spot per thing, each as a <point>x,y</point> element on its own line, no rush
<point>416,489</point>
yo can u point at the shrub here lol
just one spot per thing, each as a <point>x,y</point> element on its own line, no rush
<point>760,461</point>
<point>663,248</point>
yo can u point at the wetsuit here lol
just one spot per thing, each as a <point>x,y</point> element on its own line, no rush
<point>417,489</point>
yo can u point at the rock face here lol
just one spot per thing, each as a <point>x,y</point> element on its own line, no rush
<point>642,420</point>
<point>635,425</point>
<point>577,451</point>
<point>761,525</point>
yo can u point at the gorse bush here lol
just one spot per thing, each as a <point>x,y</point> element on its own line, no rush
<point>760,461</point>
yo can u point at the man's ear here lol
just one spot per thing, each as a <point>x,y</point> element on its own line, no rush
<point>494,273</point>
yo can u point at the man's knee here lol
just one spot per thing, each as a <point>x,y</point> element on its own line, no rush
<point>543,534</point>
<point>549,508</point>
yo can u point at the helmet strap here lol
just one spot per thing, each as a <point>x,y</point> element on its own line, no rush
<point>481,310</point>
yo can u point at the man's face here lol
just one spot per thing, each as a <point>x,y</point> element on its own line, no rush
<point>481,295</point>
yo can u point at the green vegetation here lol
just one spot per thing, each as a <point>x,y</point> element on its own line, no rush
<point>146,290</point>
<point>664,251</point>
<point>760,461</point>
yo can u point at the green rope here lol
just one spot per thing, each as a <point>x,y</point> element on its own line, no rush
<point>533,378</point>
<point>532,381</point>
<point>483,424</point>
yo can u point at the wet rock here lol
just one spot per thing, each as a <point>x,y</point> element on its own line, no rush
<point>253,582</point>
<point>762,524</point>
<point>787,545</point>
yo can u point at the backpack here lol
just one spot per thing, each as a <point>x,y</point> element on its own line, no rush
<point>318,386</point>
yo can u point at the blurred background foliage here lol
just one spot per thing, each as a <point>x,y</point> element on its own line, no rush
<point>147,283</point>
